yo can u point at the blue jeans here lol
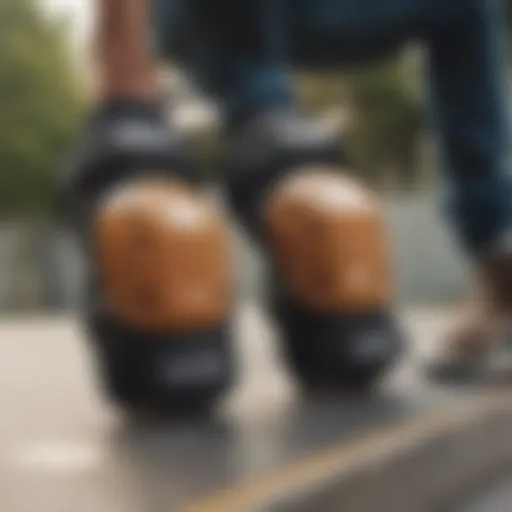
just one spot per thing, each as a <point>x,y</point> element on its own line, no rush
<point>239,52</point>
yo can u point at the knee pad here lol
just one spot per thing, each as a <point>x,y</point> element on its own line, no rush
<point>330,289</point>
<point>327,238</point>
<point>162,257</point>
<point>328,245</point>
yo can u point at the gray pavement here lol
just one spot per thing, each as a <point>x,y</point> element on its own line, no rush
<point>496,498</point>
<point>63,449</point>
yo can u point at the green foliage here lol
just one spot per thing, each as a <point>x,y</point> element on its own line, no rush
<point>322,91</point>
<point>40,106</point>
<point>383,103</point>
<point>387,111</point>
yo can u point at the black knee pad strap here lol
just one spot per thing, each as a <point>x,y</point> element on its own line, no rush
<point>161,370</point>
<point>267,149</point>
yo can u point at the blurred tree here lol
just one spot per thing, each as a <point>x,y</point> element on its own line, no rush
<point>386,102</point>
<point>322,91</point>
<point>40,106</point>
<point>383,105</point>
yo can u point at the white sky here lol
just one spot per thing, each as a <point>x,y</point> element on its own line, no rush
<point>79,13</point>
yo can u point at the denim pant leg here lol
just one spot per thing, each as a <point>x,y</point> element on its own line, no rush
<point>235,50</point>
<point>468,77</point>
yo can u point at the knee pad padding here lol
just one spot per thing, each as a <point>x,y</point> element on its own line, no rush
<point>328,241</point>
<point>163,257</point>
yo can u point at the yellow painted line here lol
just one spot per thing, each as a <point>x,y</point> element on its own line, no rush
<point>338,461</point>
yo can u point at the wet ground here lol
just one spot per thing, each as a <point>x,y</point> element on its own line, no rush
<point>63,449</point>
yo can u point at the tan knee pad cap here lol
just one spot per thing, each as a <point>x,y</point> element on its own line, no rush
<point>328,240</point>
<point>163,257</point>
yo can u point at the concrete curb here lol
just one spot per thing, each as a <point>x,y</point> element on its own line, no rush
<point>418,466</point>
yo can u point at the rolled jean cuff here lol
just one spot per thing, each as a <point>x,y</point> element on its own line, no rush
<point>481,210</point>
